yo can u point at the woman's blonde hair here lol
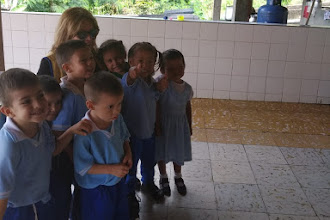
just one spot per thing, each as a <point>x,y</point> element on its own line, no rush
<point>70,24</point>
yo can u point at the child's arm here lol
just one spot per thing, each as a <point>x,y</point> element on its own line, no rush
<point>83,127</point>
<point>128,155</point>
<point>162,84</point>
<point>188,112</point>
<point>3,207</point>
<point>119,170</point>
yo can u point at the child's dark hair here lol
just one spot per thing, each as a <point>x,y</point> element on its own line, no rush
<point>49,84</point>
<point>64,51</point>
<point>15,79</point>
<point>146,46</point>
<point>111,44</point>
<point>171,54</point>
<point>102,82</point>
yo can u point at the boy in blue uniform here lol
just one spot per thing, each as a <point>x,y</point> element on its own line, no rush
<point>103,158</point>
<point>27,146</point>
<point>77,61</point>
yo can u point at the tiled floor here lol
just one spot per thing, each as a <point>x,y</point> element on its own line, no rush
<point>254,161</point>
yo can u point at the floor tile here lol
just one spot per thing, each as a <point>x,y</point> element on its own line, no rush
<point>200,195</point>
<point>268,154</point>
<point>301,156</point>
<point>318,141</point>
<point>242,215</point>
<point>227,152</point>
<point>192,214</point>
<point>150,210</point>
<point>223,136</point>
<point>291,217</point>
<point>319,198</point>
<point>286,201</point>
<point>199,170</point>
<point>239,197</point>
<point>257,138</point>
<point>291,140</point>
<point>200,150</point>
<point>325,155</point>
<point>312,176</point>
<point>278,175</point>
<point>199,135</point>
<point>232,172</point>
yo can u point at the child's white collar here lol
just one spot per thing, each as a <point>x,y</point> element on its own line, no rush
<point>95,128</point>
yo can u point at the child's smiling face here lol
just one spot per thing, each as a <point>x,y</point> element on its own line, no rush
<point>54,100</point>
<point>114,61</point>
<point>81,64</point>
<point>174,69</point>
<point>146,60</point>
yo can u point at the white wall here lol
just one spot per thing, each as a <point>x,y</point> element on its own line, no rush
<point>224,60</point>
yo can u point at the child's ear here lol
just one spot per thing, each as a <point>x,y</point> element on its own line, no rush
<point>66,67</point>
<point>90,105</point>
<point>7,111</point>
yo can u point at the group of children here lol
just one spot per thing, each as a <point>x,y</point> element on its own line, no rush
<point>95,129</point>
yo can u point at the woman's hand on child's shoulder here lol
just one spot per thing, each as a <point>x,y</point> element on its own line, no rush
<point>83,127</point>
<point>162,84</point>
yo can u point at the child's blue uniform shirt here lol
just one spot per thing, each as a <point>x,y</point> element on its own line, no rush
<point>99,147</point>
<point>73,106</point>
<point>25,165</point>
<point>139,107</point>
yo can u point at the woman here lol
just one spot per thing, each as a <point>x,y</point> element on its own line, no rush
<point>75,24</point>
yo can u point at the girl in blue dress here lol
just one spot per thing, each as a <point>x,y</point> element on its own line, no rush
<point>173,126</point>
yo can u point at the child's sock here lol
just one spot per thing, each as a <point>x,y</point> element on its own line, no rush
<point>163,176</point>
<point>177,175</point>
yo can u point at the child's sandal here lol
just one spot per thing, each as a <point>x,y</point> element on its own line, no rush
<point>180,186</point>
<point>165,186</point>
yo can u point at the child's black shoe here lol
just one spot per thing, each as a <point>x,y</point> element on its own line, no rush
<point>165,186</point>
<point>180,186</point>
<point>153,191</point>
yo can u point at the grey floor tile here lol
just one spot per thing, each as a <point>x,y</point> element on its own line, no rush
<point>286,201</point>
<point>279,175</point>
<point>301,156</point>
<point>200,195</point>
<point>268,154</point>
<point>312,176</point>
<point>320,200</point>
<point>242,216</point>
<point>291,217</point>
<point>200,150</point>
<point>191,214</point>
<point>152,211</point>
<point>227,152</point>
<point>232,172</point>
<point>239,197</point>
<point>325,155</point>
<point>199,170</point>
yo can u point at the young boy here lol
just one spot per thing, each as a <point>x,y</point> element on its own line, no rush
<point>27,146</point>
<point>76,59</point>
<point>103,158</point>
<point>62,169</point>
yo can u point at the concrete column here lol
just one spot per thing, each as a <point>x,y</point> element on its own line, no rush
<point>216,10</point>
<point>242,10</point>
<point>2,60</point>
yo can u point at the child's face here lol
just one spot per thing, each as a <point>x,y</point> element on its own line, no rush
<point>54,100</point>
<point>28,105</point>
<point>174,69</point>
<point>147,61</point>
<point>81,64</point>
<point>114,61</point>
<point>108,107</point>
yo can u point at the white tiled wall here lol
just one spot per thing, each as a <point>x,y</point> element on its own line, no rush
<point>223,60</point>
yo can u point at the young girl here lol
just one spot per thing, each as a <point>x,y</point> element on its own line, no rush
<point>174,143</point>
<point>139,112</point>
<point>112,56</point>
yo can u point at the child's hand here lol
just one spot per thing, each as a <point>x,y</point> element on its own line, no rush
<point>120,170</point>
<point>135,71</point>
<point>83,127</point>
<point>162,84</point>
<point>128,160</point>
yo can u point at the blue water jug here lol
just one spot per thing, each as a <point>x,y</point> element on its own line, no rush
<point>273,12</point>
